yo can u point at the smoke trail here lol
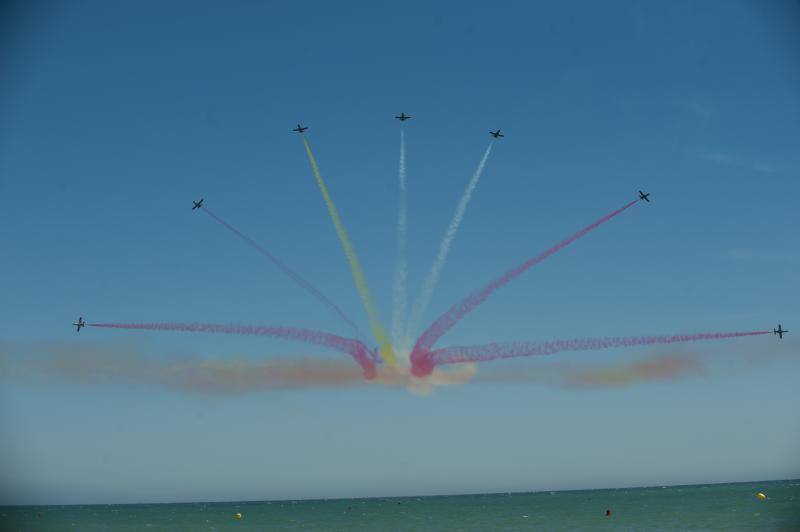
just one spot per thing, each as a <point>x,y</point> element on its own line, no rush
<point>401,266</point>
<point>481,353</point>
<point>432,279</point>
<point>88,364</point>
<point>109,365</point>
<point>662,368</point>
<point>420,356</point>
<point>613,375</point>
<point>354,348</point>
<point>378,331</point>
<point>294,276</point>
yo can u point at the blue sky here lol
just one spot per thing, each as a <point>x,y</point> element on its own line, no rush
<point>113,117</point>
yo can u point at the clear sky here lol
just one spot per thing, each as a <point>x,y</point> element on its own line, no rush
<point>115,115</point>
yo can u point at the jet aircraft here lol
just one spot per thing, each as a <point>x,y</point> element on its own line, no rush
<point>78,324</point>
<point>643,196</point>
<point>403,117</point>
<point>779,331</point>
<point>197,204</point>
<point>300,129</point>
<point>496,134</point>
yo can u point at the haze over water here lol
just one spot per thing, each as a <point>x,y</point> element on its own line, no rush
<point>702,507</point>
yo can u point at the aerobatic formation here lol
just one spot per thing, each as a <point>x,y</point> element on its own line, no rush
<point>399,352</point>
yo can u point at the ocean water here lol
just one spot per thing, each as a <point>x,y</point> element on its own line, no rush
<point>702,507</point>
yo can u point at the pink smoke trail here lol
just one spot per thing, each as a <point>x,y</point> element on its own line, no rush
<point>302,283</point>
<point>482,353</point>
<point>421,364</point>
<point>354,348</point>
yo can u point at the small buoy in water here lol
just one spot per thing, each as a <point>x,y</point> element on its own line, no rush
<point>238,515</point>
<point>608,513</point>
<point>761,496</point>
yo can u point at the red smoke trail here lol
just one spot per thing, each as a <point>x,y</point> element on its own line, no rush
<point>305,285</point>
<point>354,348</point>
<point>481,353</point>
<point>421,364</point>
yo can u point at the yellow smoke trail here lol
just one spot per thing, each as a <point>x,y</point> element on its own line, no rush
<point>113,365</point>
<point>378,331</point>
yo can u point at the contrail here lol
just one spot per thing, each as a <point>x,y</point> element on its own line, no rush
<point>401,266</point>
<point>294,276</point>
<point>420,355</point>
<point>432,279</point>
<point>494,351</point>
<point>352,347</point>
<point>378,330</point>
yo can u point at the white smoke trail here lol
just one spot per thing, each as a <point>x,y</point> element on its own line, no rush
<point>401,265</point>
<point>432,279</point>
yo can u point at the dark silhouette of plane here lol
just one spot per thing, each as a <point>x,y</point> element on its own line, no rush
<point>643,196</point>
<point>496,134</point>
<point>300,129</point>
<point>403,117</point>
<point>779,331</point>
<point>197,204</point>
<point>80,323</point>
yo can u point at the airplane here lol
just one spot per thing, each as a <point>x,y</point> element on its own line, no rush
<point>403,117</point>
<point>496,134</point>
<point>779,331</point>
<point>643,196</point>
<point>300,129</point>
<point>80,323</point>
<point>197,204</point>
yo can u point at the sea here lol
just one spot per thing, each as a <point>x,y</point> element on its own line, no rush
<point>696,507</point>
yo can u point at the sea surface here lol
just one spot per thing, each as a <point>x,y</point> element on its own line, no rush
<point>700,507</point>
